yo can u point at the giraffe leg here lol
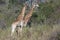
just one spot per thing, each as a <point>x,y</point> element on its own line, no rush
<point>21,25</point>
<point>13,28</point>
<point>20,28</point>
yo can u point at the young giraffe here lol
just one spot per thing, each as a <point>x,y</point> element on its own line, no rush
<point>18,21</point>
<point>28,16</point>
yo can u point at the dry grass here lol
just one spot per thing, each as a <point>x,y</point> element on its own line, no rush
<point>42,32</point>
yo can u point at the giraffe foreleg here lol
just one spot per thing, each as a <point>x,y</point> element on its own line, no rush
<point>13,28</point>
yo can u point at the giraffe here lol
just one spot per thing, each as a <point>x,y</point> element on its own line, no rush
<point>18,21</point>
<point>28,16</point>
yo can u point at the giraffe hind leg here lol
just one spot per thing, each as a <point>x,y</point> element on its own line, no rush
<point>17,29</point>
<point>20,27</point>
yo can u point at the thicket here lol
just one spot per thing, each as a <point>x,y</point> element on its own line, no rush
<point>46,13</point>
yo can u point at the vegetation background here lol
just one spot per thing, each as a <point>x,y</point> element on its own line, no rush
<point>45,21</point>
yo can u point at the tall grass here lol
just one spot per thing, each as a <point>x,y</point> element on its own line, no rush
<point>40,32</point>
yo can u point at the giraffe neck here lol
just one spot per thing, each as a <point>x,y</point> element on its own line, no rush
<point>28,16</point>
<point>21,15</point>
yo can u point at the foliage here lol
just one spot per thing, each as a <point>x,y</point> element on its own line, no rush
<point>46,12</point>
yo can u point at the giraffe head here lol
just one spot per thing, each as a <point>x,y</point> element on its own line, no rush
<point>35,5</point>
